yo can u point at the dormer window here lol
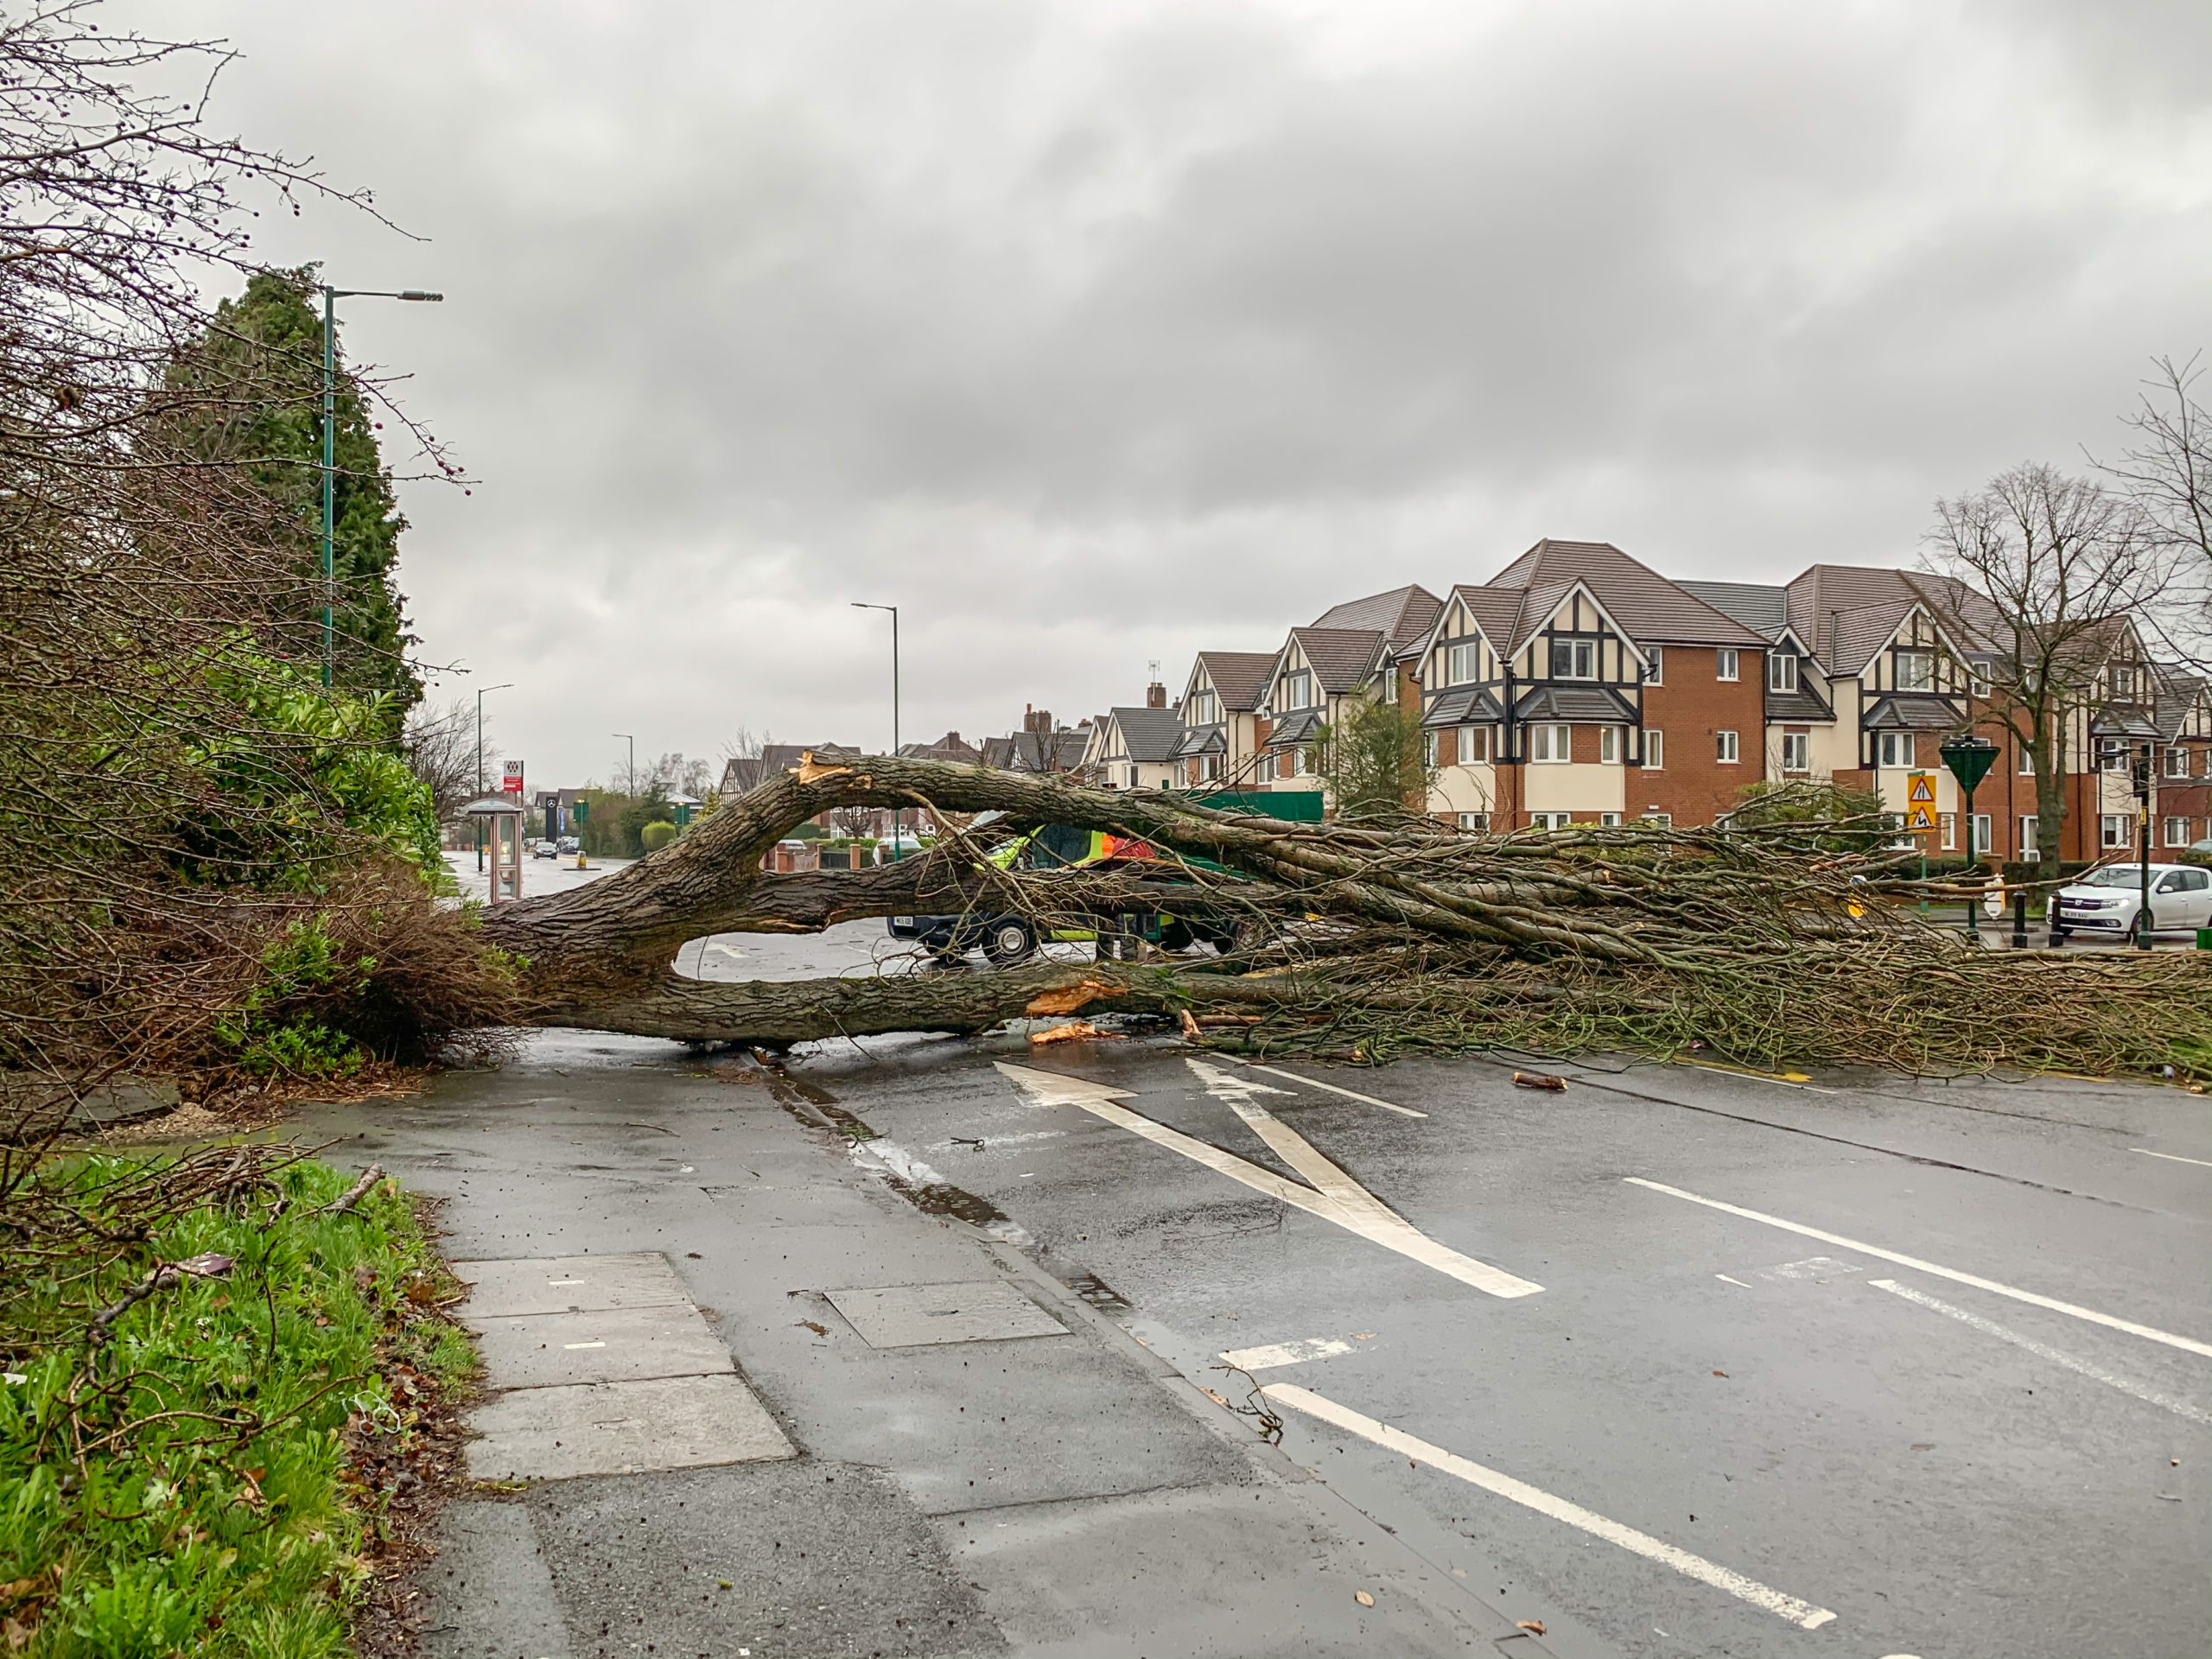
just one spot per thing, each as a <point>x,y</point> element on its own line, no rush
<point>1297,691</point>
<point>1575,659</point>
<point>2123,684</point>
<point>1203,710</point>
<point>1916,671</point>
<point>1463,662</point>
<point>1781,673</point>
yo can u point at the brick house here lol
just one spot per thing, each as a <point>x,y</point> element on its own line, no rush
<point>1359,651</point>
<point>1579,685</point>
<point>1220,743</point>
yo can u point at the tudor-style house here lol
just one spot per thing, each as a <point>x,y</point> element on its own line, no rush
<point>1359,651</point>
<point>1580,686</point>
<point>1135,748</point>
<point>1220,743</point>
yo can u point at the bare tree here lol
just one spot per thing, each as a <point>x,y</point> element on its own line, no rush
<point>441,747</point>
<point>2168,475</point>
<point>2045,574</point>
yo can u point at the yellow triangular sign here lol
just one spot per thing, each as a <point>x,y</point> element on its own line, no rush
<point>1923,789</point>
<point>1920,820</point>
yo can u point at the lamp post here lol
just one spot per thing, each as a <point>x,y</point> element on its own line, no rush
<point>504,685</point>
<point>1969,759</point>
<point>2143,843</point>
<point>330,298</point>
<point>898,815</point>
<point>630,778</point>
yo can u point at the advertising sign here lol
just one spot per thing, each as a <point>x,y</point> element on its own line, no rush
<point>511,781</point>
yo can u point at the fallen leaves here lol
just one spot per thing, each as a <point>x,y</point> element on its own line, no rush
<point>1540,1080</point>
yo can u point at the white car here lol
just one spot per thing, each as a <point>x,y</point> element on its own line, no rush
<point>2105,901</point>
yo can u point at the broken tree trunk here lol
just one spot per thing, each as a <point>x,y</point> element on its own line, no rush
<point>1783,943</point>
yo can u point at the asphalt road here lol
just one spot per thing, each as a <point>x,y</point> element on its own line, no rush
<point>1723,1428</point>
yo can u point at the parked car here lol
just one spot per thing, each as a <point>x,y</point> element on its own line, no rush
<point>544,849</point>
<point>2105,902</point>
<point>569,845</point>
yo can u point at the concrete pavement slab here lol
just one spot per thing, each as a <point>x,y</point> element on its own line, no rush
<point>534,1351</point>
<point>616,1429</point>
<point>823,1560</point>
<point>915,1316</point>
<point>562,1284</point>
<point>490,1596</point>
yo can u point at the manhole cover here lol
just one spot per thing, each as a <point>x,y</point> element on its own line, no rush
<point>913,1316</point>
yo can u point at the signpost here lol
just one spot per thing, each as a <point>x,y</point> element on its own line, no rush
<point>511,777</point>
<point>1969,759</point>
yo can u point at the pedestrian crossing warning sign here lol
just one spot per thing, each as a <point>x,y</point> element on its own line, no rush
<point>1923,789</point>
<point>1921,820</point>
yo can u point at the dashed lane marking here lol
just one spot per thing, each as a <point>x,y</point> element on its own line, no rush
<point>2044,1351</point>
<point>2188,1345</point>
<point>2173,1157</point>
<point>1284,1353</point>
<point>1802,1614</point>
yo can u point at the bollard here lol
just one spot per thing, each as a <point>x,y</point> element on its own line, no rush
<point>2019,921</point>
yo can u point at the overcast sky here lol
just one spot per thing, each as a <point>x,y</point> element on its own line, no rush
<point>1098,333</point>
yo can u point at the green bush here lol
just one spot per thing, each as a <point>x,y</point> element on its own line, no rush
<point>653,836</point>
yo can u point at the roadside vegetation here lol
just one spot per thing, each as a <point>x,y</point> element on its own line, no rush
<point>217,1368</point>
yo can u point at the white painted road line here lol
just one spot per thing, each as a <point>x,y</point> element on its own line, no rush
<point>1802,1614</point>
<point>1371,1218</point>
<point>2044,1351</point>
<point>2188,1344</point>
<point>1284,1353</point>
<point>1316,1082</point>
<point>2173,1157</point>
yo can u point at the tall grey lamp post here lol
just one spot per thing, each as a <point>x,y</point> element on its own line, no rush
<point>630,780</point>
<point>504,685</point>
<point>898,815</point>
<point>330,298</point>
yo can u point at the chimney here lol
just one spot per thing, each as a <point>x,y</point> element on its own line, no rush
<point>1155,695</point>
<point>1036,719</point>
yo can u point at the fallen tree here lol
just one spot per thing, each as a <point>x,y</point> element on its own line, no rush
<point>1786,943</point>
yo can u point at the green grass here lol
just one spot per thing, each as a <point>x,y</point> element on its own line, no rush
<point>228,1526</point>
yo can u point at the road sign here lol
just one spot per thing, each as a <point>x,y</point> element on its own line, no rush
<point>1921,820</point>
<point>1924,788</point>
<point>511,779</point>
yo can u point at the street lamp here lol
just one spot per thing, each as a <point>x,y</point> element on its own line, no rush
<point>504,685</point>
<point>2142,780</point>
<point>1969,759</point>
<point>630,779</point>
<point>898,815</point>
<point>330,298</point>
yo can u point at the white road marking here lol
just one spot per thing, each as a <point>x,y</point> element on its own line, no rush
<point>1316,1082</point>
<point>1802,1614</point>
<point>1367,1215</point>
<point>1732,1281</point>
<point>573,1345</point>
<point>564,1281</point>
<point>2150,1333</point>
<point>1284,1353</point>
<point>2044,1351</point>
<point>2174,1157</point>
<point>1820,1269</point>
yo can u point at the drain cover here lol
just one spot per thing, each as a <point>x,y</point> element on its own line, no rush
<point>913,1316</point>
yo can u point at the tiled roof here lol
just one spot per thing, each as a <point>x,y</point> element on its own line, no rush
<point>1341,657</point>
<point>1241,677</point>
<point>1201,740</point>
<point>2127,722</point>
<point>1294,728</point>
<point>2178,693</point>
<point>1803,705</point>
<point>1469,705</point>
<point>1642,602</point>
<point>1763,609</point>
<point>1586,702</point>
<point>1401,616</point>
<point>1913,711</point>
<point>1496,610</point>
<point>1846,612</point>
<point>1150,733</point>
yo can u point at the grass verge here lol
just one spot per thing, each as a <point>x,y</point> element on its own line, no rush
<point>214,1369</point>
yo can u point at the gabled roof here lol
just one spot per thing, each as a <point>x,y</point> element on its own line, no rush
<point>1241,677</point>
<point>1497,611</point>
<point>2178,693</point>
<point>1763,609</point>
<point>1645,604</point>
<point>1341,659</point>
<point>1846,612</point>
<point>1582,702</point>
<point>1293,728</point>
<point>1148,734</point>
<point>1804,706</point>
<point>1201,740</point>
<point>1403,616</point>
<point>1913,711</point>
<point>1468,705</point>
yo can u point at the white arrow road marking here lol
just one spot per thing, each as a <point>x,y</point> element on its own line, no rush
<point>1284,1353</point>
<point>1334,1088</point>
<point>1340,1199</point>
<point>2044,1351</point>
<point>2170,1157</point>
<point>1800,1614</point>
<point>2188,1344</point>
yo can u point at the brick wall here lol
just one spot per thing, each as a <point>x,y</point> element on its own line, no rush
<point>1693,706</point>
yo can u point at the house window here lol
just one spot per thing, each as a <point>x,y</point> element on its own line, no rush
<point>1428,748</point>
<point>1947,824</point>
<point>1210,768</point>
<point>1550,820</point>
<point>1297,690</point>
<point>1916,671</point>
<point>2027,763</point>
<point>1796,751</point>
<point>1477,821</point>
<point>1659,820</point>
<point>1895,749</point>
<point>2116,828</point>
<point>1202,710</point>
<point>2176,832</point>
<point>1781,673</point>
<point>1723,744</point>
<point>1474,744</point>
<point>1655,749</point>
<point>2176,763</point>
<point>1298,767</point>
<point>2123,684</point>
<point>1609,745</point>
<point>1463,663</point>
<point>1609,820</point>
<point>2030,841</point>
<point>1575,659</point>
<point>1551,743</point>
<point>2112,757</point>
<point>1657,675</point>
<point>1723,664</point>
<point>1978,676</point>
<point>1981,833</point>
